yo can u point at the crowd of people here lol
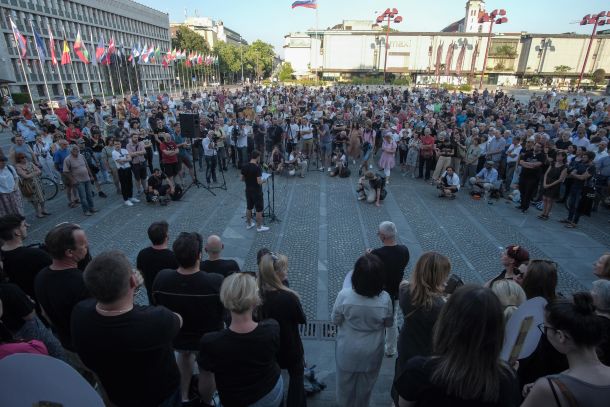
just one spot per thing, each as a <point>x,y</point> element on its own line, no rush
<point>208,332</point>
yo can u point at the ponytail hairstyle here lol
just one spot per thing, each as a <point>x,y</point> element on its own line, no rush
<point>577,318</point>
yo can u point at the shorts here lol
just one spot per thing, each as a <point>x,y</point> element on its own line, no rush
<point>139,171</point>
<point>254,199</point>
<point>186,160</point>
<point>327,148</point>
<point>171,170</point>
<point>307,143</point>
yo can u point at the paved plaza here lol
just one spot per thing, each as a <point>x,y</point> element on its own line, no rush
<point>324,229</point>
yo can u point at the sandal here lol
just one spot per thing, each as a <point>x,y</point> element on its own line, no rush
<point>543,217</point>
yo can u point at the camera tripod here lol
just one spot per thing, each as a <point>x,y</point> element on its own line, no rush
<point>195,180</point>
<point>222,186</point>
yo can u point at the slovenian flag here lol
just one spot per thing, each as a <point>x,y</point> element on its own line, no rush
<point>19,38</point>
<point>100,51</point>
<point>305,3</point>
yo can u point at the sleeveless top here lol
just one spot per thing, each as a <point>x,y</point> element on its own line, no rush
<point>554,173</point>
<point>585,394</point>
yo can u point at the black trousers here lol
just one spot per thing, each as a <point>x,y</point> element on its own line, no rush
<point>527,187</point>
<point>126,182</point>
<point>428,162</point>
<point>296,389</point>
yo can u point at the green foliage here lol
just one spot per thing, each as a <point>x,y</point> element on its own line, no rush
<point>402,81</point>
<point>599,76</point>
<point>21,98</point>
<point>562,69</point>
<point>189,40</point>
<point>229,57</point>
<point>286,72</point>
<point>503,51</point>
<point>258,59</point>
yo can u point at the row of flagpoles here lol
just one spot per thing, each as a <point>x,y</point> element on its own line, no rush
<point>104,56</point>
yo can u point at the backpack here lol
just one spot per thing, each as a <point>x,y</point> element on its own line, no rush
<point>178,193</point>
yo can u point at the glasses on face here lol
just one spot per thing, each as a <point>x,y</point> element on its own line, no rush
<point>544,328</point>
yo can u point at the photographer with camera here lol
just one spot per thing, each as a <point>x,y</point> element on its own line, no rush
<point>297,160</point>
<point>371,188</point>
<point>210,153</point>
<point>157,190</point>
<point>448,183</point>
<point>241,143</point>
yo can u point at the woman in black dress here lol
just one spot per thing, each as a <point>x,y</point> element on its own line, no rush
<point>283,305</point>
<point>553,178</point>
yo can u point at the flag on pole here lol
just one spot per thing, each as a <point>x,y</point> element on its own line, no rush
<point>135,52</point>
<point>80,50</point>
<point>111,50</point>
<point>100,50</point>
<point>19,38</point>
<point>473,62</point>
<point>94,59</point>
<point>439,56</point>
<point>305,3</point>
<point>42,52</point>
<point>52,47</point>
<point>144,54</point>
<point>164,61</point>
<point>460,60</point>
<point>65,55</point>
<point>449,59</point>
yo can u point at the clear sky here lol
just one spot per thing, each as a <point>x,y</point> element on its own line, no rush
<point>270,20</point>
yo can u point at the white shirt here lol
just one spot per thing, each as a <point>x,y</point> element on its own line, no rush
<point>121,155</point>
<point>210,152</point>
<point>303,129</point>
<point>453,181</point>
<point>242,139</point>
<point>8,179</point>
<point>513,149</point>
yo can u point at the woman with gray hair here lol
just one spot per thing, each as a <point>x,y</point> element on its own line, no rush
<point>601,299</point>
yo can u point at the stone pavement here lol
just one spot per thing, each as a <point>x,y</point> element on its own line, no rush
<point>324,229</point>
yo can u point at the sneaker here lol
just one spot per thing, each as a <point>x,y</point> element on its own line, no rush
<point>370,166</point>
<point>250,225</point>
<point>329,169</point>
<point>361,198</point>
<point>128,203</point>
<point>103,195</point>
<point>134,200</point>
<point>321,168</point>
<point>390,354</point>
<point>262,229</point>
<point>88,214</point>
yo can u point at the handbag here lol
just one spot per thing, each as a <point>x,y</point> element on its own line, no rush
<point>26,187</point>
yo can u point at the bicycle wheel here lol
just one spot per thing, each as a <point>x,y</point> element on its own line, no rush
<point>49,188</point>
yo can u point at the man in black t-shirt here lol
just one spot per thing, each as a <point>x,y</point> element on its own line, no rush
<point>59,287</point>
<point>581,175</point>
<point>251,174</point>
<point>214,264</point>
<point>21,264</point>
<point>395,258</point>
<point>156,189</point>
<point>157,257</point>
<point>194,295</point>
<point>128,346</point>
<point>531,162</point>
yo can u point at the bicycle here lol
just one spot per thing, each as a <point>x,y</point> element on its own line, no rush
<point>49,188</point>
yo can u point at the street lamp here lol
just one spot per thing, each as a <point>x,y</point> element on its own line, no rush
<point>596,20</point>
<point>390,15</point>
<point>495,17</point>
<point>241,55</point>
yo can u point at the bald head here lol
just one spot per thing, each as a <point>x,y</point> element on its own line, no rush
<point>214,245</point>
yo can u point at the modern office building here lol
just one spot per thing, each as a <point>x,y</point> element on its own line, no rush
<point>127,22</point>
<point>454,55</point>
<point>213,31</point>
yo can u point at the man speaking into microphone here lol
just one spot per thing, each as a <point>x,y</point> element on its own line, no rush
<point>252,175</point>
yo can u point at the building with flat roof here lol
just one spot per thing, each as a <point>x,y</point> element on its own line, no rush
<point>128,22</point>
<point>454,55</point>
<point>213,31</point>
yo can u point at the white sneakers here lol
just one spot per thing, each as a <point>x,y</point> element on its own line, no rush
<point>261,228</point>
<point>130,201</point>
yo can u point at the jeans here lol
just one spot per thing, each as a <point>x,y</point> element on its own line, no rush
<point>574,203</point>
<point>242,153</point>
<point>210,167</point>
<point>510,171</point>
<point>272,399</point>
<point>104,170</point>
<point>84,194</point>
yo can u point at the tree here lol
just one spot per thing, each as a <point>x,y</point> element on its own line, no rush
<point>258,59</point>
<point>286,72</point>
<point>599,76</point>
<point>189,40</point>
<point>229,58</point>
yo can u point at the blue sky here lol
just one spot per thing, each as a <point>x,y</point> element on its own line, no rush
<point>270,20</point>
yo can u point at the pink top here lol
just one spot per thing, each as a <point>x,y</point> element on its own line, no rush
<point>33,346</point>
